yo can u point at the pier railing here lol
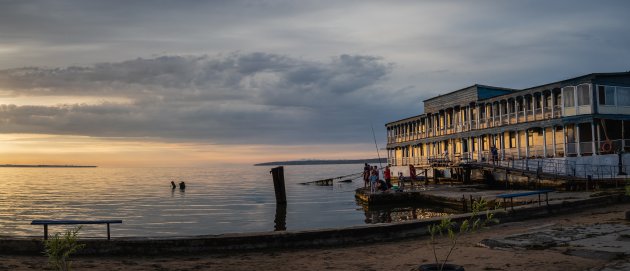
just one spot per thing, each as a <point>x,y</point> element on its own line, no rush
<point>566,168</point>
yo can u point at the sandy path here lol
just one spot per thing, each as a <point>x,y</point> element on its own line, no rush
<point>400,255</point>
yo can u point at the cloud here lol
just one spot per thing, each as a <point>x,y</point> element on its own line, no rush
<point>289,91</point>
<point>254,98</point>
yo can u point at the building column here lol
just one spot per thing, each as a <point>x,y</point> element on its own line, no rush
<point>502,138</point>
<point>470,147</point>
<point>479,148</point>
<point>478,116</point>
<point>553,103</point>
<point>544,134</point>
<point>515,110</point>
<point>593,141</point>
<point>553,141</point>
<point>469,118</point>
<point>577,139</point>
<point>494,115</point>
<point>543,100</point>
<point>518,144</point>
<point>508,112</point>
<point>500,114</point>
<point>564,139</point>
<point>527,143</point>
<point>439,124</point>
<point>444,124</point>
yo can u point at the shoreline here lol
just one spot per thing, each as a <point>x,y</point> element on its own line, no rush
<point>47,166</point>
<point>365,234</point>
<point>404,254</point>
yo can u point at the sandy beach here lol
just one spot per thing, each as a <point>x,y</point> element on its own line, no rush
<point>399,255</point>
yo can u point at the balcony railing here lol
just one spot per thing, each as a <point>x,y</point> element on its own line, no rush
<point>557,111</point>
<point>547,113</point>
<point>538,114</point>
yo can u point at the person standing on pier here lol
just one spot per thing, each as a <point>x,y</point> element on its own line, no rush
<point>412,174</point>
<point>366,174</point>
<point>373,179</point>
<point>495,154</point>
<point>387,175</point>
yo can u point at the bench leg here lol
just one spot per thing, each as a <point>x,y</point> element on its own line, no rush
<point>45,231</point>
<point>108,236</point>
<point>547,198</point>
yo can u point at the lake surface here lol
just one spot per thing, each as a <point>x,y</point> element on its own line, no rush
<point>217,200</point>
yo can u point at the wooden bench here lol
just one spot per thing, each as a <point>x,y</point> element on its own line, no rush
<point>72,222</point>
<point>514,195</point>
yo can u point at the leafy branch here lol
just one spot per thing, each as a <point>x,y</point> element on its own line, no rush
<point>449,228</point>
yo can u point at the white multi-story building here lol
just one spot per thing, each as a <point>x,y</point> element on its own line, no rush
<point>586,116</point>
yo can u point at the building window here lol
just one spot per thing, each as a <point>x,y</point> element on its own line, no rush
<point>623,96</point>
<point>512,140</point>
<point>568,96</point>
<point>606,95</point>
<point>583,92</point>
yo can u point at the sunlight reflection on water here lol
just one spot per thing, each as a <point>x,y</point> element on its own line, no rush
<point>217,200</point>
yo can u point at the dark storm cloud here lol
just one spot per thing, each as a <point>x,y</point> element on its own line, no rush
<point>292,92</point>
<point>246,98</point>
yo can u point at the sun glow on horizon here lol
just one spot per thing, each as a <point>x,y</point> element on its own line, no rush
<point>147,152</point>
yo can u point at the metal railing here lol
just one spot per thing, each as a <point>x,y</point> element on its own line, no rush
<point>561,167</point>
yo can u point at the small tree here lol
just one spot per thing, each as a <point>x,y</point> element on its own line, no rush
<point>59,247</point>
<point>448,227</point>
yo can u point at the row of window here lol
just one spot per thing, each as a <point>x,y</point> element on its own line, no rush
<point>583,95</point>
<point>607,95</point>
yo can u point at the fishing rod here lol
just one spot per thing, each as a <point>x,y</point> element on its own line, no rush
<point>376,145</point>
<point>359,173</point>
<point>340,177</point>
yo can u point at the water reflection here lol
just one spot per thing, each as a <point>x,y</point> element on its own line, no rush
<point>219,199</point>
<point>389,214</point>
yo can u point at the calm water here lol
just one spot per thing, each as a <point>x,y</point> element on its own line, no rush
<point>217,200</point>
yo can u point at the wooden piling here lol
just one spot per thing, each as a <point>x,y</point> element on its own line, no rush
<point>464,204</point>
<point>278,184</point>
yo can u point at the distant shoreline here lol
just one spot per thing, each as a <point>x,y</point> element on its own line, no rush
<point>322,162</point>
<point>48,166</point>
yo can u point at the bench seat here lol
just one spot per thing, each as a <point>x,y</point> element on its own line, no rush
<point>74,222</point>
<point>511,196</point>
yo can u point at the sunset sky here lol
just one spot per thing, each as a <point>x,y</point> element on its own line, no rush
<point>192,83</point>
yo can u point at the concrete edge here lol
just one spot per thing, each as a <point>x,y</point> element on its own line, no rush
<point>291,240</point>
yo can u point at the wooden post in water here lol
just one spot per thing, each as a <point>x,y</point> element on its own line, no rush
<point>278,185</point>
<point>281,217</point>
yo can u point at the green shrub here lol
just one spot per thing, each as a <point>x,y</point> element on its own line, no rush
<point>451,229</point>
<point>59,247</point>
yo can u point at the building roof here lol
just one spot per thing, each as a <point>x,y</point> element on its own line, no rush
<point>578,78</point>
<point>421,115</point>
<point>478,86</point>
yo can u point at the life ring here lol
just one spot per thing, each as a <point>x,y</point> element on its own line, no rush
<point>606,147</point>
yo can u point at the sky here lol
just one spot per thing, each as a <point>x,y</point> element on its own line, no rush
<point>193,83</point>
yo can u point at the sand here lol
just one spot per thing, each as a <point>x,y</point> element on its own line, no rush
<point>399,255</point>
